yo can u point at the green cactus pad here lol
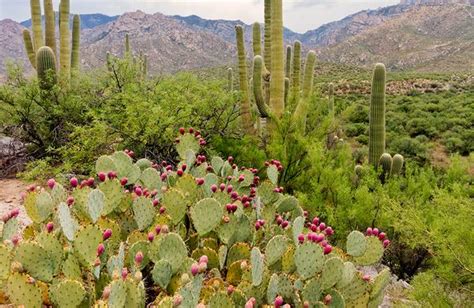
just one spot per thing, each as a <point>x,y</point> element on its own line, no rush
<point>150,179</point>
<point>222,256</point>
<point>238,229</point>
<point>191,291</point>
<point>10,228</point>
<point>118,294</point>
<point>286,204</point>
<point>58,194</point>
<point>380,282</point>
<point>186,184</point>
<point>272,289</point>
<point>248,178</point>
<point>135,294</point>
<point>360,301</point>
<point>113,195</point>
<point>30,206</point>
<point>213,258</point>
<point>332,272</point>
<point>5,260</point>
<point>288,260</point>
<point>175,204</point>
<point>312,291</point>
<point>117,262</point>
<point>234,272</point>
<point>376,301</point>
<point>187,142</point>
<point>309,259</point>
<point>238,251</point>
<point>71,268</point>
<point>44,205</point>
<point>68,224</point>
<point>162,273</point>
<point>85,244</point>
<point>206,215</point>
<point>143,164</point>
<point>347,275</point>
<point>95,204</point>
<point>54,248</point>
<point>221,299</point>
<point>275,249</point>
<point>21,291</point>
<point>285,287</point>
<point>134,249</point>
<point>297,228</point>
<point>256,260</point>
<point>210,243</point>
<point>272,174</point>
<point>355,290</point>
<point>68,293</point>
<point>238,297</point>
<point>337,300</point>
<point>209,180</point>
<point>143,212</point>
<point>81,197</point>
<point>122,162</point>
<point>265,191</point>
<point>356,244</point>
<point>105,164</point>
<point>35,260</point>
<point>173,250</point>
<point>373,253</point>
<point>226,169</point>
<point>217,163</point>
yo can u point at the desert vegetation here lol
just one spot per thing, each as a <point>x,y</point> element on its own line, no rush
<point>280,181</point>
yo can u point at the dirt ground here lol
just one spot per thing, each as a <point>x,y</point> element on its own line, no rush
<point>10,191</point>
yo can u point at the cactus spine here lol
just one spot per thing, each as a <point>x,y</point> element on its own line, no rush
<point>65,51</point>
<point>377,115</point>
<point>243,78</point>
<point>76,28</point>
<point>257,35</point>
<point>277,82</point>
<point>268,34</point>
<point>36,24</point>
<point>29,47</point>
<point>46,67</point>
<point>296,82</point>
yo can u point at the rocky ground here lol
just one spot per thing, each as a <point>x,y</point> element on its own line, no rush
<point>10,197</point>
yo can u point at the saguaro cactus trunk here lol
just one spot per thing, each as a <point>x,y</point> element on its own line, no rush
<point>277,82</point>
<point>245,115</point>
<point>46,67</point>
<point>268,34</point>
<point>30,50</point>
<point>296,77</point>
<point>377,115</point>
<point>50,25</point>
<point>76,29</point>
<point>65,52</point>
<point>38,41</point>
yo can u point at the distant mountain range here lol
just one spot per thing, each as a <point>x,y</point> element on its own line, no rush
<point>429,35</point>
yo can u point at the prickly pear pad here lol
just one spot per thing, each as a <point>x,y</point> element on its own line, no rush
<point>68,293</point>
<point>173,250</point>
<point>309,259</point>
<point>175,204</point>
<point>276,247</point>
<point>35,260</point>
<point>332,272</point>
<point>356,244</point>
<point>373,253</point>
<point>162,273</point>
<point>21,291</point>
<point>256,260</point>
<point>85,244</point>
<point>5,257</point>
<point>143,212</point>
<point>206,215</point>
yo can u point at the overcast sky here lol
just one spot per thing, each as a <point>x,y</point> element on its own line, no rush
<point>299,15</point>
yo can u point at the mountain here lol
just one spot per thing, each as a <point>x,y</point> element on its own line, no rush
<point>427,38</point>
<point>88,21</point>
<point>416,34</point>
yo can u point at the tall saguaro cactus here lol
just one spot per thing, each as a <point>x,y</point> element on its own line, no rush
<point>277,82</point>
<point>36,24</point>
<point>257,35</point>
<point>65,51</point>
<point>268,34</point>
<point>46,67</point>
<point>377,115</point>
<point>50,25</point>
<point>296,76</point>
<point>30,50</point>
<point>243,78</point>
<point>76,28</point>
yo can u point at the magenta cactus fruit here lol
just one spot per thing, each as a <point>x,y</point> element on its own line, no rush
<point>202,267</point>
<point>278,302</point>
<point>49,227</point>
<point>123,181</point>
<point>102,176</point>
<point>112,175</point>
<point>199,181</point>
<point>70,200</point>
<point>194,269</point>
<point>327,249</point>
<point>327,299</point>
<point>203,259</point>
<point>139,257</point>
<point>100,249</point>
<point>386,243</point>
<point>301,238</point>
<point>106,293</point>
<point>284,224</point>
<point>213,188</point>
<point>329,231</point>
<point>180,172</point>
<point>162,210</point>
<point>124,273</point>
<point>182,130</point>
<point>375,231</point>
<point>177,299</point>
<point>51,183</point>
<point>138,191</point>
<point>366,277</point>
<point>15,212</point>
<point>382,236</point>
<point>369,231</point>
<point>158,229</point>
<point>322,226</point>
<point>151,236</point>
<point>74,182</point>
<point>107,234</point>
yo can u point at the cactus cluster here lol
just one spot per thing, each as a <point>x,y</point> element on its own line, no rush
<point>137,63</point>
<point>203,233</point>
<point>42,51</point>
<point>276,85</point>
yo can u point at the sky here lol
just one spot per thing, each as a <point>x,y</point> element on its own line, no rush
<point>299,15</point>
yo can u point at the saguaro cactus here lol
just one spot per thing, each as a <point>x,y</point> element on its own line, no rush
<point>50,25</point>
<point>127,45</point>
<point>268,35</point>
<point>36,24</point>
<point>243,78</point>
<point>377,115</point>
<point>65,51</point>
<point>46,67</point>
<point>288,62</point>
<point>277,82</point>
<point>230,79</point>
<point>296,76</point>
<point>30,51</point>
<point>76,28</point>
<point>257,36</point>
<point>331,98</point>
